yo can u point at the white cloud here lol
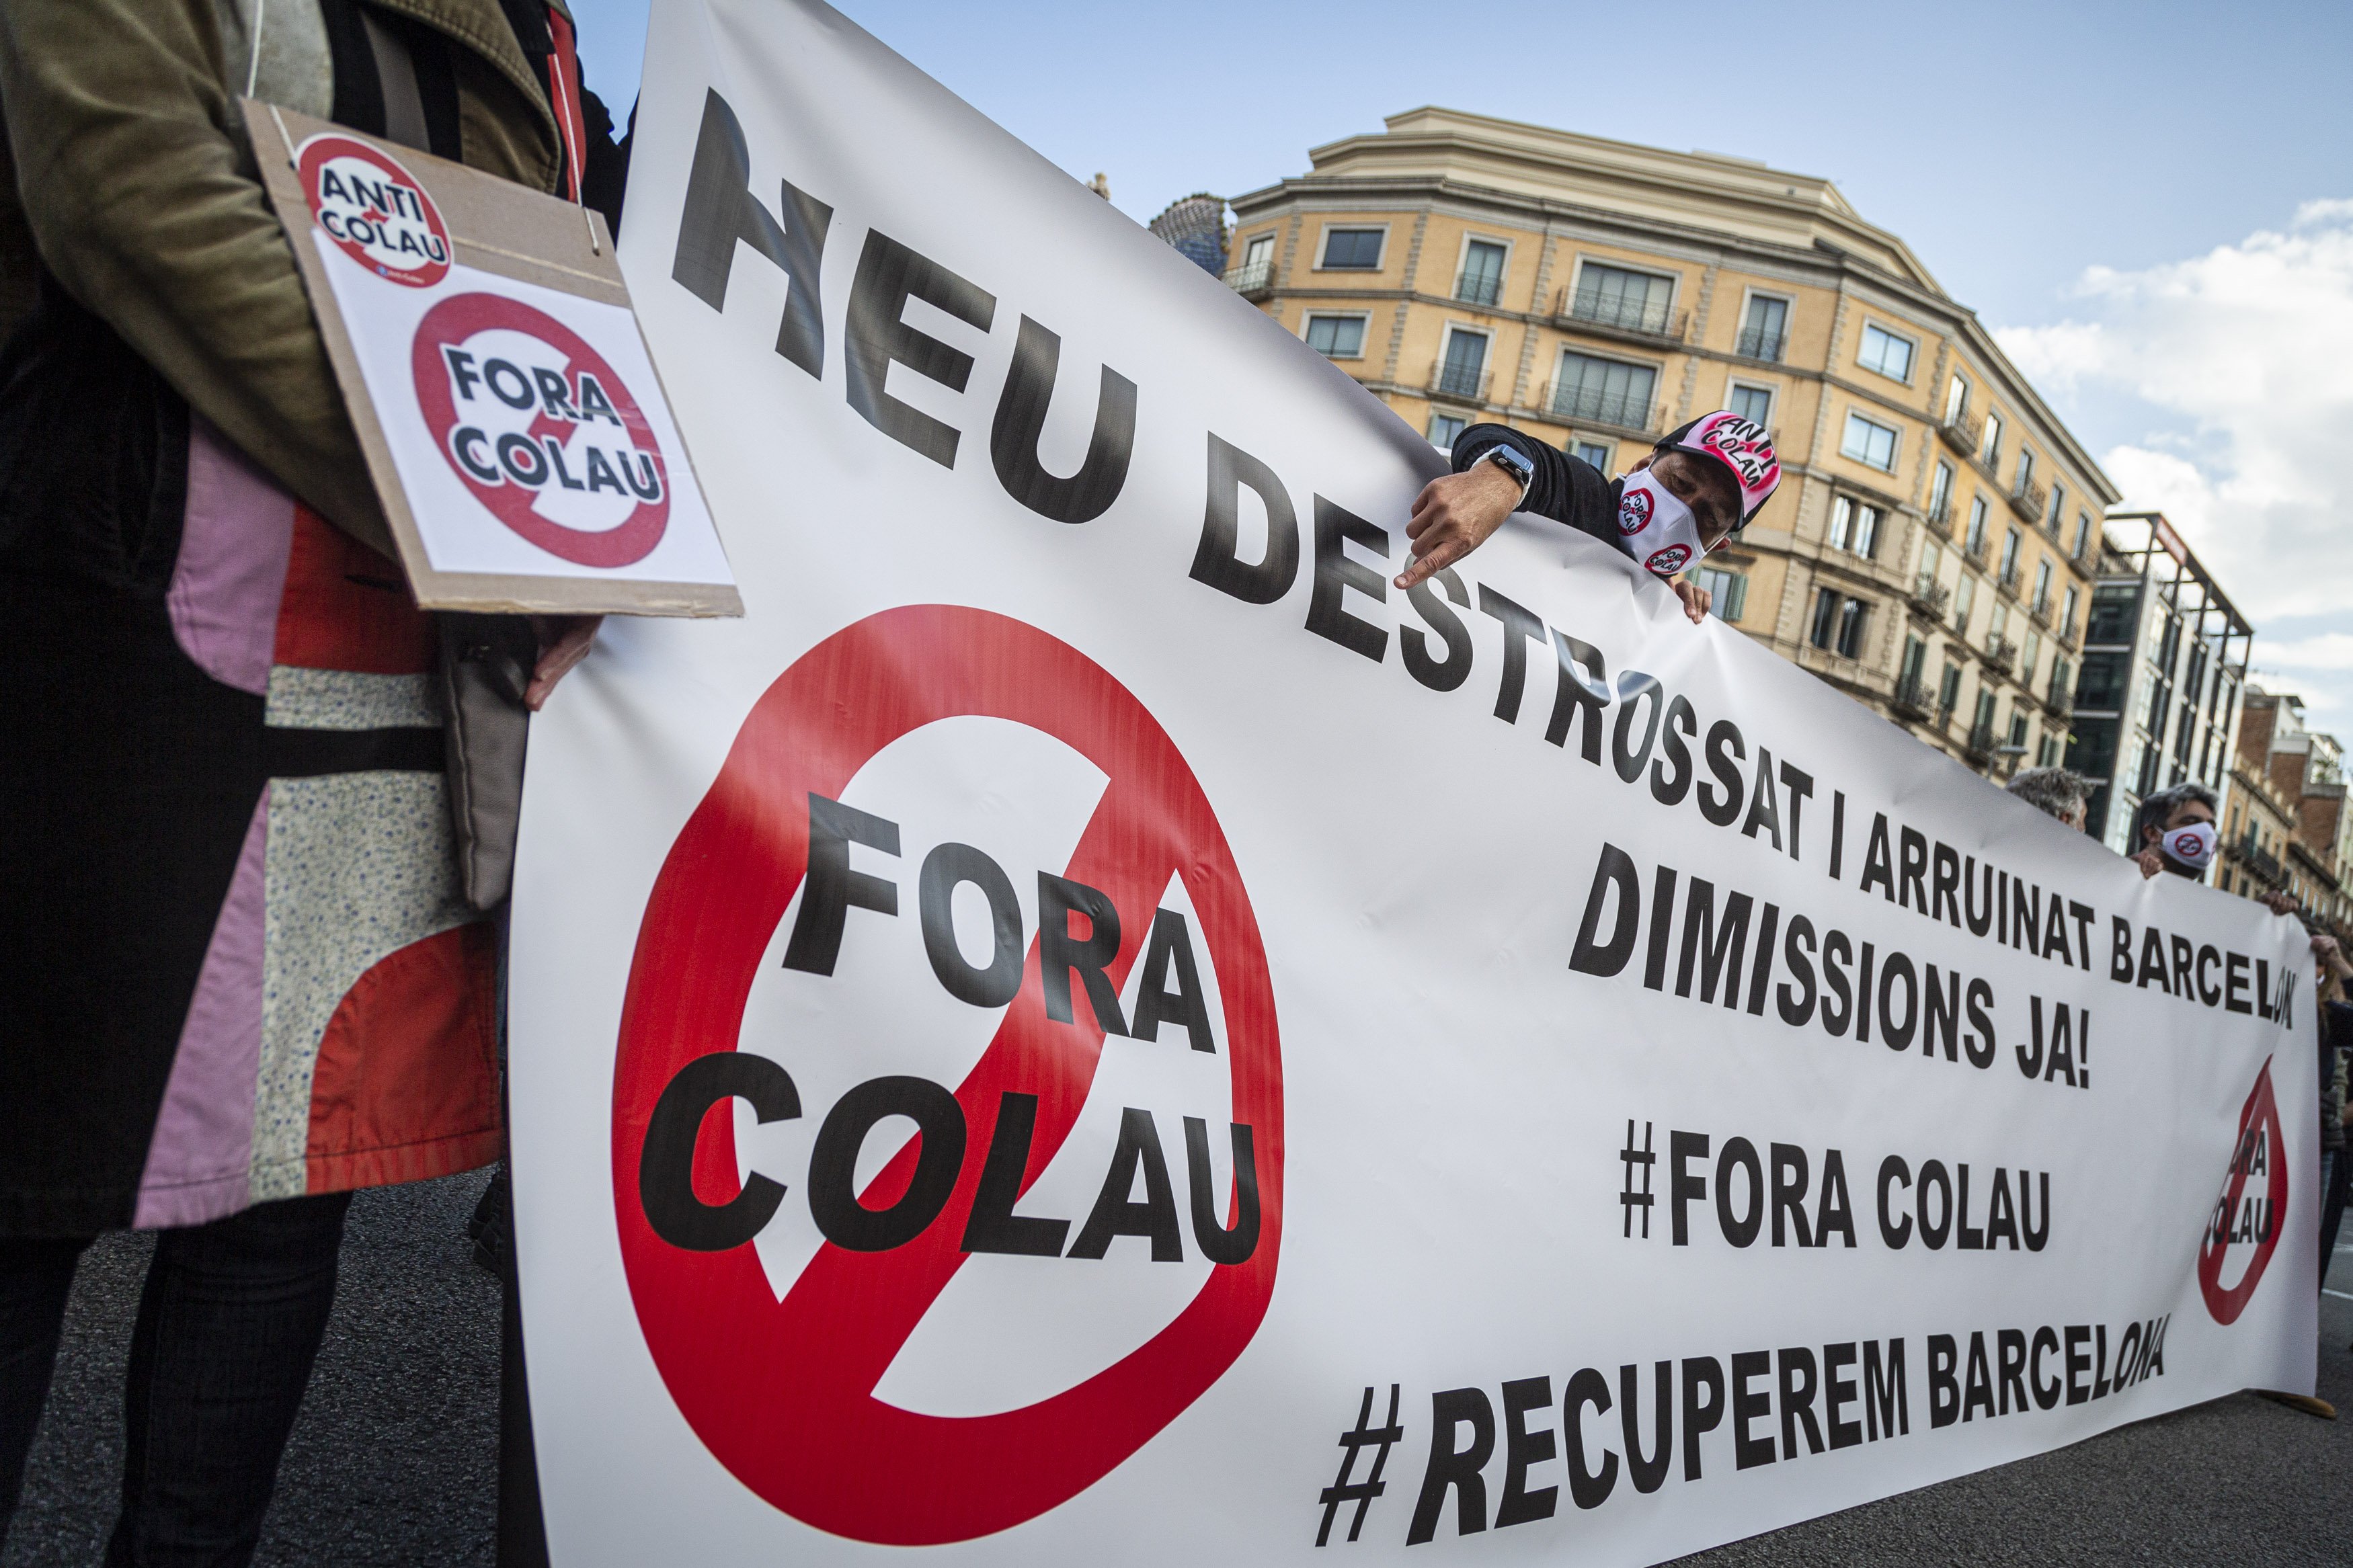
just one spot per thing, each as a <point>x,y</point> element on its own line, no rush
<point>2246,353</point>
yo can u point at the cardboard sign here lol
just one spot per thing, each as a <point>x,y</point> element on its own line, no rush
<point>517,433</point>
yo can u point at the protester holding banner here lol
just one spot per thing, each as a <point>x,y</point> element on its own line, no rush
<point>2177,831</point>
<point>1698,487</point>
<point>246,976</point>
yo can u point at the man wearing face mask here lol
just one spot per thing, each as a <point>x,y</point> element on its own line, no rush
<point>1699,486</point>
<point>2177,832</point>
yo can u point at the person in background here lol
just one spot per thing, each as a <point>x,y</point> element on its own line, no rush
<point>241,970</point>
<point>2176,831</point>
<point>2055,792</point>
<point>1700,484</point>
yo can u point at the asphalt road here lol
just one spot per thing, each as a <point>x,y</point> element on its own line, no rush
<point>393,1461</point>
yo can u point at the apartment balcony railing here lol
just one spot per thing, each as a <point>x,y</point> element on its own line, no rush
<point>2061,701</point>
<point>1590,405</point>
<point>2009,579</point>
<point>1477,288</point>
<point>1912,699</point>
<point>1999,653</point>
<point>2067,631</point>
<point>1978,747</point>
<point>1468,382</point>
<point>1642,318</point>
<point>1962,432</point>
<point>2029,500</point>
<point>2261,861</point>
<point>1928,600</point>
<point>1974,549</point>
<point>1760,343</point>
<point>1940,517</point>
<point>2040,611</point>
<point>1252,279</point>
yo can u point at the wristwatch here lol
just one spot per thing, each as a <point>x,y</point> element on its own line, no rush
<point>1512,461</point>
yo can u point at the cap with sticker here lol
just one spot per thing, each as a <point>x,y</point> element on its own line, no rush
<point>1740,445</point>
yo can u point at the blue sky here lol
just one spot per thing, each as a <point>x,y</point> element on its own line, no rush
<point>2129,193</point>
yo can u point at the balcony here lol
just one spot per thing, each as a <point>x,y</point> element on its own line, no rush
<point>1940,517</point>
<point>1911,699</point>
<point>1477,288</point>
<point>1928,600</point>
<point>2261,862</point>
<point>2008,581</point>
<point>1760,343</point>
<point>1979,748</point>
<point>1962,434</point>
<point>1999,653</point>
<point>1974,549</point>
<point>2029,501</point>
<point>1252,279</point>
<point>2040,611</point>
<point>2061,702</point>
<point>1649,319</point>
<point>1465,383</point>
<point>1590,406</point>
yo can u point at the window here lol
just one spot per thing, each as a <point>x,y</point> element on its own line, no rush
<point>2067,618</point>
<point>2042,587</point>
<point>1886,353</point>
<point>1727,591</point>
<point>1975,543</point>
<point>1443,428</point>
<point>1932,564</point>
<point>1948,691</point>
<point>2082,535</point>
<point>2025,472</point>
<point>1353,250</point>
<point>2030,659</point>
<point>1260,251</point>
<point>1956,401</point>
<point>1764,330</point>
<point>1462,373</point>
<point>2060,689</point>
<point>2017,728</point>
<point>1838,622</point>
<point>2009,544</point>
<point>2058,507</point>
<point>1754,404</point>
<point>1940,493</point>
<point>1982,731</point>
<point>2102,690</point>
<point>1614,297</point>
<point>2116,614</point>
<point>1257,270</point>
<point>1854,526</point>
<point>1916,655</point>
<point>1996,625</point>
<point>1869,442</point>
<point>1594,452</point>
<point>2046,755</point>
<point>1964,599</point>
<point>1990,450</point>
<point>1604,390</point>
<point>1337,337</point>
<point>1483,273</point>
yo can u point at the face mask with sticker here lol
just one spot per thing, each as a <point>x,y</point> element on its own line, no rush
<point>1658,528</point>
<point>2192,846</point>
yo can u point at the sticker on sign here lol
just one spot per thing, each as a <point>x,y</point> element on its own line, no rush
<point>957,934</point>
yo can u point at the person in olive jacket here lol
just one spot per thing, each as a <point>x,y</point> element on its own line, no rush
<point>240,972</point>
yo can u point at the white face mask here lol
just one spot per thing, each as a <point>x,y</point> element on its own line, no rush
<point>1657,527</point>
<point>2192,846</point>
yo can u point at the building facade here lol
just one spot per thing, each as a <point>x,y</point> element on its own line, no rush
<point>2286,827</point>
<point>2165,663</point>
<point>1931,549</point>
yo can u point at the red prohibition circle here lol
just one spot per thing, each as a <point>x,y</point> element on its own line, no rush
<point>1634,512</point>
<point>2260,1114</point>
<point>1671,559</point>
<point>458,318</point>
<point>311,163</point>
<point>782,1392</point>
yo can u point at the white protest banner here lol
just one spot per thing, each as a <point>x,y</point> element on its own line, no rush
<point>517,434</point>
<point>1088,1028</point>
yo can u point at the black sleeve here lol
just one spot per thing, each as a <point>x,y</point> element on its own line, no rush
<point>605,175</point>
<point>1567,490</point>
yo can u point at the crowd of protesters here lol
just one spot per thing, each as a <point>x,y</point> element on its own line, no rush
<point>194,569</point>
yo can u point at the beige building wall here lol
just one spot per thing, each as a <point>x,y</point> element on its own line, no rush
<point>1636,289</point>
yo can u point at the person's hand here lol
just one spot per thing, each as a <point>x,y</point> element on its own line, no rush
<point>564,641</point>
<point>2278,902</point>
<point>2148,862</point>
<point>1455,515</point>
<point>1694,597</point>
<point>2331,957</point>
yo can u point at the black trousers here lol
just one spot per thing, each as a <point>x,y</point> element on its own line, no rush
<point>229,1324</point>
